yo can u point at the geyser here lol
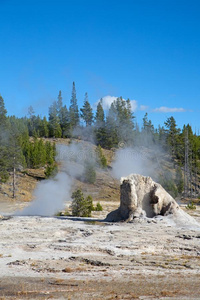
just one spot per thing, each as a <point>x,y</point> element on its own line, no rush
<point>140,196</point>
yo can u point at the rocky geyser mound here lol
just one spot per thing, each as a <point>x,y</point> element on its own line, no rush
<point>140,196</point>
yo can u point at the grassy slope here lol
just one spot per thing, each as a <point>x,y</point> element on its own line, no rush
<point>105,189</point>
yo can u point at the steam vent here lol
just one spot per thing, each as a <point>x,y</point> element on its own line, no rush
<point>140,196</point>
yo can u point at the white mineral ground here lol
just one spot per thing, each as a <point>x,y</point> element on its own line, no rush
<point>148,258</point>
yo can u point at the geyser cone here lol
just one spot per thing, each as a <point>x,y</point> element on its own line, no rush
<point>141,196</point>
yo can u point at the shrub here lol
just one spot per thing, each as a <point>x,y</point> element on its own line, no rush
<point>4,176</point>
<point>51,170</point>
<point>191,206</point>
<point>63,213</point>
<point>89,174</point>
<point>81,207</point>
<point>98,207</point>
<point>100,157</point>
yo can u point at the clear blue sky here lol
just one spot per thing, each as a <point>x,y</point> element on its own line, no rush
<point>145,50</point>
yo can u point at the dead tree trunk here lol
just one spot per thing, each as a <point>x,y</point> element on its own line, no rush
<point>14,179</point>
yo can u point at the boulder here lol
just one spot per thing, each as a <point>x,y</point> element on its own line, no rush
<point>140,196</point>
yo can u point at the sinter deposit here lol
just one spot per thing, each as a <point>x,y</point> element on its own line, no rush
<point>140,196</point>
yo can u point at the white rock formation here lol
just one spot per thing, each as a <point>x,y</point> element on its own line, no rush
<point>141,196</point>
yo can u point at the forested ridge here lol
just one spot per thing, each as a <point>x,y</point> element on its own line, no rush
<point>23,144</point>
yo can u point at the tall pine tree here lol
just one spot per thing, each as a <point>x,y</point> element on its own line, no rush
<point>73,109</point>
<point>100,131</point>
<point>54,122</point>
<point>63,115</point>
<point>86,112</point>
<point>172,135</point>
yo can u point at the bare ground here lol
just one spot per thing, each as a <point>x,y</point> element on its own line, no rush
<point>68,258</point>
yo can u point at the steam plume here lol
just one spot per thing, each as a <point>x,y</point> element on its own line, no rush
<point>50,196</point>
<point>139,160</point>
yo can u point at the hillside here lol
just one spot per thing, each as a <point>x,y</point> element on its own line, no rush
<point>105,189</point>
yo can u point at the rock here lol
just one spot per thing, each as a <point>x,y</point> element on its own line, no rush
<point>140,196</point>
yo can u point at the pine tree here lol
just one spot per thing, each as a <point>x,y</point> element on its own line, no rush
<point>44,128</point>
<point>125,121</point>
<point>86,112</point>
<point>3,112</point>
<point>100,116</point>
<point>16,157</point>
<point>10,152</point>
<point>26,146</point>
<point>34,154</point>
<point>81,207</point>
<point>31,120</point>
<point>64,122</point>
<point>73,109</point>
<point>172,135</point>
<point>50,153</point>
<point>59,105</point>
<point>89,174</point>
<point>147,125</point>
<point>112,138</point>
<point>31,112</point>
<point>41,153</point>
<point>77,203</point>
<point>54,122</point>
<point>100,131</point>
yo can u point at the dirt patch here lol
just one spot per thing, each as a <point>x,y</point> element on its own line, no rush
<point>142,287</point>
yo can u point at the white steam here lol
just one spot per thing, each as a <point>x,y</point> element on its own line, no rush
<point>74,156</point>
<point>139,160</point>
<point>50,196</point>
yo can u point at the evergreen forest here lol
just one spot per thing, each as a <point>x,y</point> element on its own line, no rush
<point>25,142</point>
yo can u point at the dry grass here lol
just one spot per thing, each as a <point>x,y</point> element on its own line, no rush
<point>168,293</point>
<point>72,270</point>
<point>188,257</point>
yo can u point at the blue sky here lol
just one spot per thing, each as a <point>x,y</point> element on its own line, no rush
<point>145,50</point>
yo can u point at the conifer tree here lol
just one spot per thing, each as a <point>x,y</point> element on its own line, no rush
<point>147,125</point>
<point>100,116</point>
<point>44,128</point>
<point>41,154</point>
<point>59,105</point>
<point>54,122</point>
<point>73,109</point>
<point>64,122</point>
<point>172,135</point>
<point>112,138</point>
<point>49,153</point>
<point>3,112</point>
<point>31,120</point>
<point>100,130</point>
<point>6,143</point>
<point>89,174</point>
<point>81,206</point>
<point>86,112</point>
<point>124,120</point>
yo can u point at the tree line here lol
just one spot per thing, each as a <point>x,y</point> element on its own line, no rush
<point>18,150</point>
<point>20,138</point>
<point>106,130</point>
